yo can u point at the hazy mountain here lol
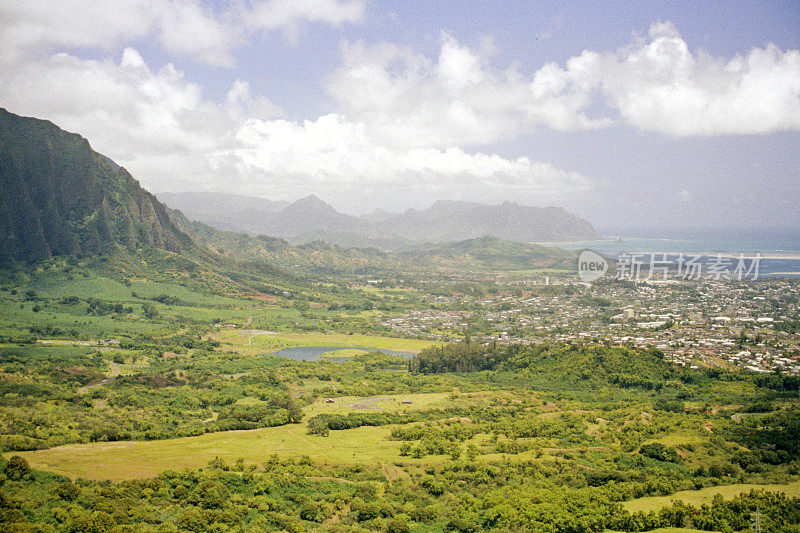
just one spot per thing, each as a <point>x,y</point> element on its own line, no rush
<point>230,212</point>
<point>379,215</point>
<point>452,221</point>
<point>58,197</point>
<point>306,218</point>
<point>311,219</point>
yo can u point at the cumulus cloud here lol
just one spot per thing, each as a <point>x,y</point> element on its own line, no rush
<point>401,119</point>
<point>654,84</point>
<point>336,152</point>
<point>156,124</point>
<point>659,85</point>
<point>183,27</point>
<point>159,126</point>
<point>407,99</point>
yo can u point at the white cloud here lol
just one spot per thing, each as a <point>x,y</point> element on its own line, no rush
<point>189,29</point>
<point>288,15</point>
<point>26,26</point>
<point>408,99</point>
<point>403,120</point>
<point>154,123</point>
<point>660,85</point>
<point>183,27</point>
<point>333,152</point>
<point>159,126</point>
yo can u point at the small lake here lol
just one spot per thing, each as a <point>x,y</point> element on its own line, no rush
<point>313,353</point>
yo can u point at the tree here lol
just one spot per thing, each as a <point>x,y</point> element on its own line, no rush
<point>17,468</point>
<point>405,449</point>
<point>149,311</point>
<point>68,491</point>
<point>397,526</point>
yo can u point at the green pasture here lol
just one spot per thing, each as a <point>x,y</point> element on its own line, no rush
<point>705,495</point>
<point>141,459</point>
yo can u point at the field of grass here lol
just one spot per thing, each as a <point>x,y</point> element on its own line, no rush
<point>678,439</point>
<point>254,342</point>
<point>365,341</point>
<point>132,460</point>
<point>705,495</point>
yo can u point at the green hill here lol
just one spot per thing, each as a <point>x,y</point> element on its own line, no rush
<point>488,253</point>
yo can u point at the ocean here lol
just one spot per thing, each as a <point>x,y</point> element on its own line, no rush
<point>779,248</point>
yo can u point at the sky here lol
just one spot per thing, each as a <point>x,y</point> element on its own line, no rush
<point>630,114</point>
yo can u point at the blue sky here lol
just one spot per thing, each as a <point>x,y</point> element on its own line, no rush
<point>640,113</point>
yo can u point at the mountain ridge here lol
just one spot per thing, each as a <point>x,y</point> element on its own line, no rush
<point>309,219</point>
<point>60,197</point>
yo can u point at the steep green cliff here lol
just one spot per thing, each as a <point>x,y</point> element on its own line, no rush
<point>60,197</point>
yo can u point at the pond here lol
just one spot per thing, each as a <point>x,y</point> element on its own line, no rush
<point>314,353</point>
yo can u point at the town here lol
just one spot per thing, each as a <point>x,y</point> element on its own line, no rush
<point>750,324</point>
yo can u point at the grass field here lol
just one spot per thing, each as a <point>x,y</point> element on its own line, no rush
<point>130,460</point>
<point>365,341</point>
<point>254,342</point>
<point>705,495</point>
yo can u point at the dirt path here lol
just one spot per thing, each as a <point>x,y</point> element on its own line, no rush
<point>112,374</point>
<point>391,472</point>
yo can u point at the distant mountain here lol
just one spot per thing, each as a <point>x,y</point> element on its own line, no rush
<point>304,219</point>
<point>451,221</point>
<point>311,219</point>
<point>379,215</point>
<point>59,197</point>
<point>230,212</point>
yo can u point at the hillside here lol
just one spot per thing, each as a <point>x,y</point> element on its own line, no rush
<point>485,254</point>
<point>488,253</point>
<point>60,197</point>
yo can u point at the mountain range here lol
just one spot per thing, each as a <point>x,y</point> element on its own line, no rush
<point>311,219</point>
